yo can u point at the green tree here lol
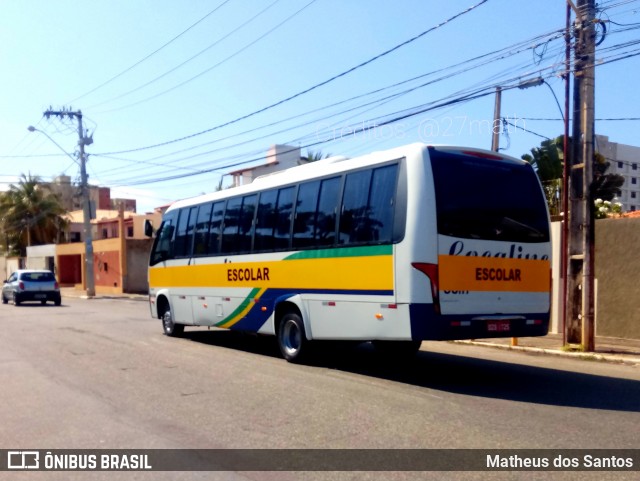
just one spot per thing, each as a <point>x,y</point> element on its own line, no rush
<point>548,161</point>
<point>315,156</point>
<point>30,214</point>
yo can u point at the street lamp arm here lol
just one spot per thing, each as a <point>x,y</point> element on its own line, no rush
<point>31,128</point>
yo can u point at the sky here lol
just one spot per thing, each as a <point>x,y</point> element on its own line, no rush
<point>177,94</point>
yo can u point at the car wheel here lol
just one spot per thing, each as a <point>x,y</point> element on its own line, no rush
<point>292,340</point>
<point>57,301</point>
<point>16,299</point>
<point>169,327</point>
<point>4,299</point>
<point>43,302</point>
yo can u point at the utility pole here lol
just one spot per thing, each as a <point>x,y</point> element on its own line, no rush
<point>580,301</point>
<point>86,202</point>
<point>495,138</point>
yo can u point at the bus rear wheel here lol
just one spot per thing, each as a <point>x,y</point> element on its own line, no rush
<point>292,340</point>
<point>169,327</point>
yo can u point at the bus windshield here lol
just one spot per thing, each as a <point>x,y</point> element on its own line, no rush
<point>484,198</point>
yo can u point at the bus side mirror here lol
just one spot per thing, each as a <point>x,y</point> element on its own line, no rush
<point>148,228</point>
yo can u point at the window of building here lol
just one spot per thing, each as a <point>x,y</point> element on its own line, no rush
<point>633,195</point>
<point>634,180</point>
<point>620,165</point>
<point>634,166</point>
<point>129,231</point>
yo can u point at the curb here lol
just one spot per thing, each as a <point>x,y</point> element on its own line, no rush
<point>585,356</point>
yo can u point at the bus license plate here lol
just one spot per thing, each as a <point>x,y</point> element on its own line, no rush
<point>498,326</point>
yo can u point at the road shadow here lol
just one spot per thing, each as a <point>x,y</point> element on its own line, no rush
<point>457,374</point>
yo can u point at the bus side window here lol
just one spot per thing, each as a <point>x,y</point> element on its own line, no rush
<point>354,219</point>
<point>304,220</point>
<point>163,244</point>
<point>284,218</point>
<point>231,225</point>
<point>215,232</point>
<point>246,223</point>
<point>201,236</point>
<point>325,228</point>
<point>265,221</point>
<point>382,203</point>
<point>184,235</point>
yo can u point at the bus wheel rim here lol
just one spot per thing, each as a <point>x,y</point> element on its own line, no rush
<point>291,337</point>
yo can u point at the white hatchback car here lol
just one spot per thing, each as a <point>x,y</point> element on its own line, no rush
<point>31,285</point>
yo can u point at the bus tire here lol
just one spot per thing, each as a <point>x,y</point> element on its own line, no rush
<point>169,327</point>
<point>292,340</point>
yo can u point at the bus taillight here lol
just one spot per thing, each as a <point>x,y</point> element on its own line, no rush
<point>431,271</point>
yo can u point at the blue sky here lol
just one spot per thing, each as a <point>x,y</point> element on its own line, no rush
<point>240,56</point>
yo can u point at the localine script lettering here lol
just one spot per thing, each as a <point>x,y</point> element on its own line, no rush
<point>248,274</point>
<point>498,274</point>
<point>514,252</point>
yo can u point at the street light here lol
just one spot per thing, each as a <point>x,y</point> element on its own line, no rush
<point>525,84</point>
<point>31,128</point>
<point>86,209</point>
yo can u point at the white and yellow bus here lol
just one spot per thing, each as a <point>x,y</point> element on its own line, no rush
<point>395,247</point>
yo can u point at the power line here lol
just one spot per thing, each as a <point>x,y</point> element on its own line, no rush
<point>149,55</point>
<point>224,37</point>
<point>287,99</point>
<point>237,52</point>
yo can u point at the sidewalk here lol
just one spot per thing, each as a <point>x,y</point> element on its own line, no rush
<point>609,349</point>
<point>78,294</point>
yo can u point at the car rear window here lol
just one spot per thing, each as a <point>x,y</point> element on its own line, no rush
<point>37,277</point>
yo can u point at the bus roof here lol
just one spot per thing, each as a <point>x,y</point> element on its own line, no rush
<point>336,165</point>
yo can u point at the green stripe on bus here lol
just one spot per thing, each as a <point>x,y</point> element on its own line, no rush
<point>364,251</point>
<point>243,305</point>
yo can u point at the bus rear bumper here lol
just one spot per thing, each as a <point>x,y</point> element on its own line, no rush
<point>428,325</point>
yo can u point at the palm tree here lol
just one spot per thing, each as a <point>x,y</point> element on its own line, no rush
<point>30,214</point>
<point>315,156</point>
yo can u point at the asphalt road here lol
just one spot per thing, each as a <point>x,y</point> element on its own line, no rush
<point>99,374</point>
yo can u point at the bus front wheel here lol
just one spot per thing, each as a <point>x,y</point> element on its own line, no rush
<point>169,327</point>
<point>292,341</point>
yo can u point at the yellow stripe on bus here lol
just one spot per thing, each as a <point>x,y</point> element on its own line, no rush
<point>250,302</point>
<point>341,273</point>
<point>472,273</point>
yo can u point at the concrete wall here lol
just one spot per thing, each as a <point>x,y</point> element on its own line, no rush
<point>137,264</point>
<point>618,274</point>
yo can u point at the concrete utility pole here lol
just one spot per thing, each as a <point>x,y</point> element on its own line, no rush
<point>580,312</point>
<point>86,202</point>
<point>495,138</point>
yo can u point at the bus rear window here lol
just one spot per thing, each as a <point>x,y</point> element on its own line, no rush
<point>483,198</point>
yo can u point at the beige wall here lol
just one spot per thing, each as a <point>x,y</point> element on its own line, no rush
<point>618,275</point>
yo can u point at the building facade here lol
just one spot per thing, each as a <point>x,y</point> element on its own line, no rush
<point>625,161</point>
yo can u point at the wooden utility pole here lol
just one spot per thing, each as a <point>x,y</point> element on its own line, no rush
<point>580,301</point>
